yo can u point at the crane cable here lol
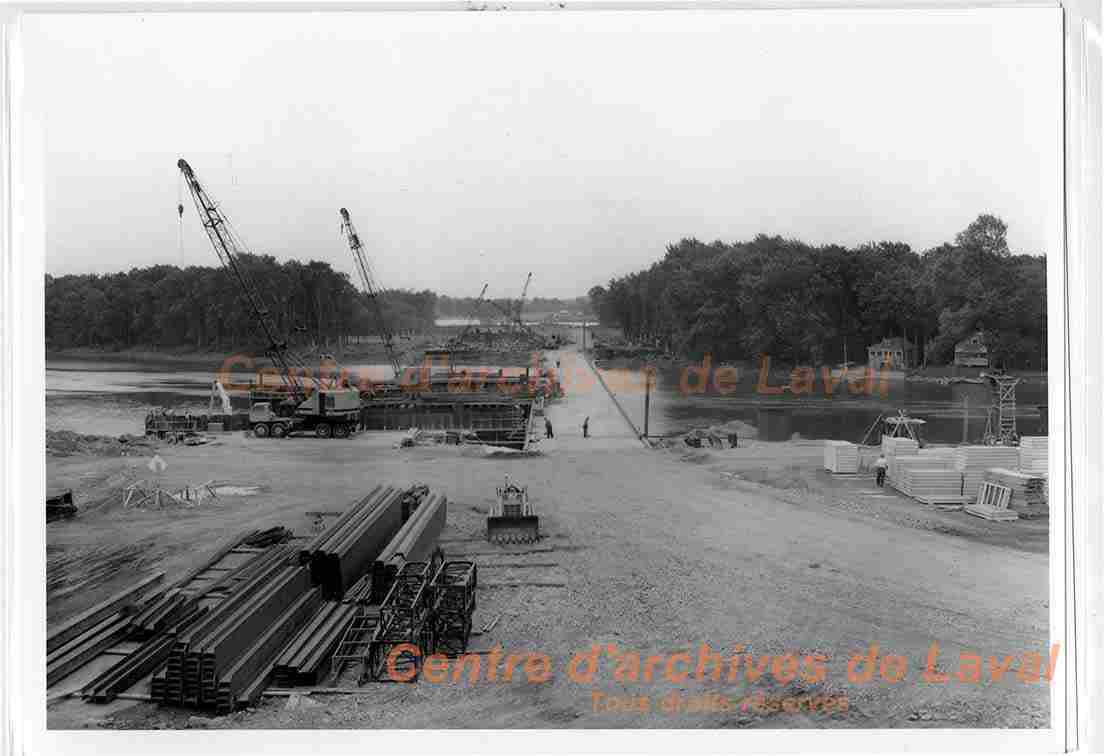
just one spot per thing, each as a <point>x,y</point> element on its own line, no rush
<point>180,217</point>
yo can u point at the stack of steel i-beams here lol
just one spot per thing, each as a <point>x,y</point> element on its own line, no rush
<point>341,554</point>
<point>414,542</point>
<point>209,664</point>
<point>308,659</point>
<point>93,631</point>
<point>260,610</point>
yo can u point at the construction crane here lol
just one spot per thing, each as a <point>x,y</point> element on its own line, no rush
<point>371,290</point>
<point>326,413</point>
<point>471,316</point>
<point>524,292</point>
<point>510,315</point>
<point>228,247</point>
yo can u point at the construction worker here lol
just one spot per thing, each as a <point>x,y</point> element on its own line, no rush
<point>586,424</point>
<point>548,428</point>
<point>880,466</point>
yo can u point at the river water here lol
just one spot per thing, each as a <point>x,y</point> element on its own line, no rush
<point>111,397</point>
<point>682,399</point>
<point>108,396</point>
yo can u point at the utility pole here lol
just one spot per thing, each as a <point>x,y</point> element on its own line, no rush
<point>647,397</point>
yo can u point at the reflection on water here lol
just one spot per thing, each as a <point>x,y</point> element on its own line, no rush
<point>679,404</point>
<point>111,397</point>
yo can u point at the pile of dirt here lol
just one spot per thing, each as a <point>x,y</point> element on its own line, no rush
<point>64,443</point>
<point>712,436</point>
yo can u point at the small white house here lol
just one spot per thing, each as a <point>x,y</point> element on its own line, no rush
<point>896,353</point>
<point>972,352</point>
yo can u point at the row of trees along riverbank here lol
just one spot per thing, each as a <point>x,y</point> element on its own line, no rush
<point>200,308</point>
<point>806,304</point>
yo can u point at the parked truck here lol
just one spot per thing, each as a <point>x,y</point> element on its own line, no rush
<point>332,413</point>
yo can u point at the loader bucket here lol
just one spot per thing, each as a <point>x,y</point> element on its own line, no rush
<point>515,529</point>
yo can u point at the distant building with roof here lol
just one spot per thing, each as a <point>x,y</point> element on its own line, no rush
<point>895,352</point>
<point>972,352</point>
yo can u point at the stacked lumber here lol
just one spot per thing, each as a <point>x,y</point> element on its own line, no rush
<point>1028,491</point>
<point>1033,454</point>
<point>973,461</point>
<point>927,458</point>
<point>893,446</point>
<point>928,476</point>
<point>841,457</point>
<point>94,630</point>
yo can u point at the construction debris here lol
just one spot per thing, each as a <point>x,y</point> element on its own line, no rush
<point>264,538</point>
<point>63,443</point>
<point>60,506</point>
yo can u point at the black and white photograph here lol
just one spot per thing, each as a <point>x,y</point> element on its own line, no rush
<point>674,369</point>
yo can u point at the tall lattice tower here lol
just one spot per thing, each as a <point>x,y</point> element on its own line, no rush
<point>1001,427</point>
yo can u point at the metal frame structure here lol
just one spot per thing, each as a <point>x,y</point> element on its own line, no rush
<point>1000,425</point>
<point>404,619</point>
<point>453,607</point>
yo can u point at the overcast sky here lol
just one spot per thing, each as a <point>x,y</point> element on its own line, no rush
<point>474,147</point>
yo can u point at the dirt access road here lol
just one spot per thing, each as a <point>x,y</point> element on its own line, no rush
<point>646,552</point>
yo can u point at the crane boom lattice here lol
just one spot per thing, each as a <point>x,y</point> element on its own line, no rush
<point>371,290</point>
<point>228,248</point>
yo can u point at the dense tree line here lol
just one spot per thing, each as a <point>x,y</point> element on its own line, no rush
<point>801,303</point>
<point>167,307</point>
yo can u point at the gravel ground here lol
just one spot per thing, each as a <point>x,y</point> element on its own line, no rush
<point>754,552</point>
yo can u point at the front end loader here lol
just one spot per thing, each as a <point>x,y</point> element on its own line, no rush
<point>512,519</point>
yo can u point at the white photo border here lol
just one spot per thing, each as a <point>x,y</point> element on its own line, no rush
<point>1075,288</point>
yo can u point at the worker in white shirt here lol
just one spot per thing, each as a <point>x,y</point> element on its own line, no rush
<point>880,466</point>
